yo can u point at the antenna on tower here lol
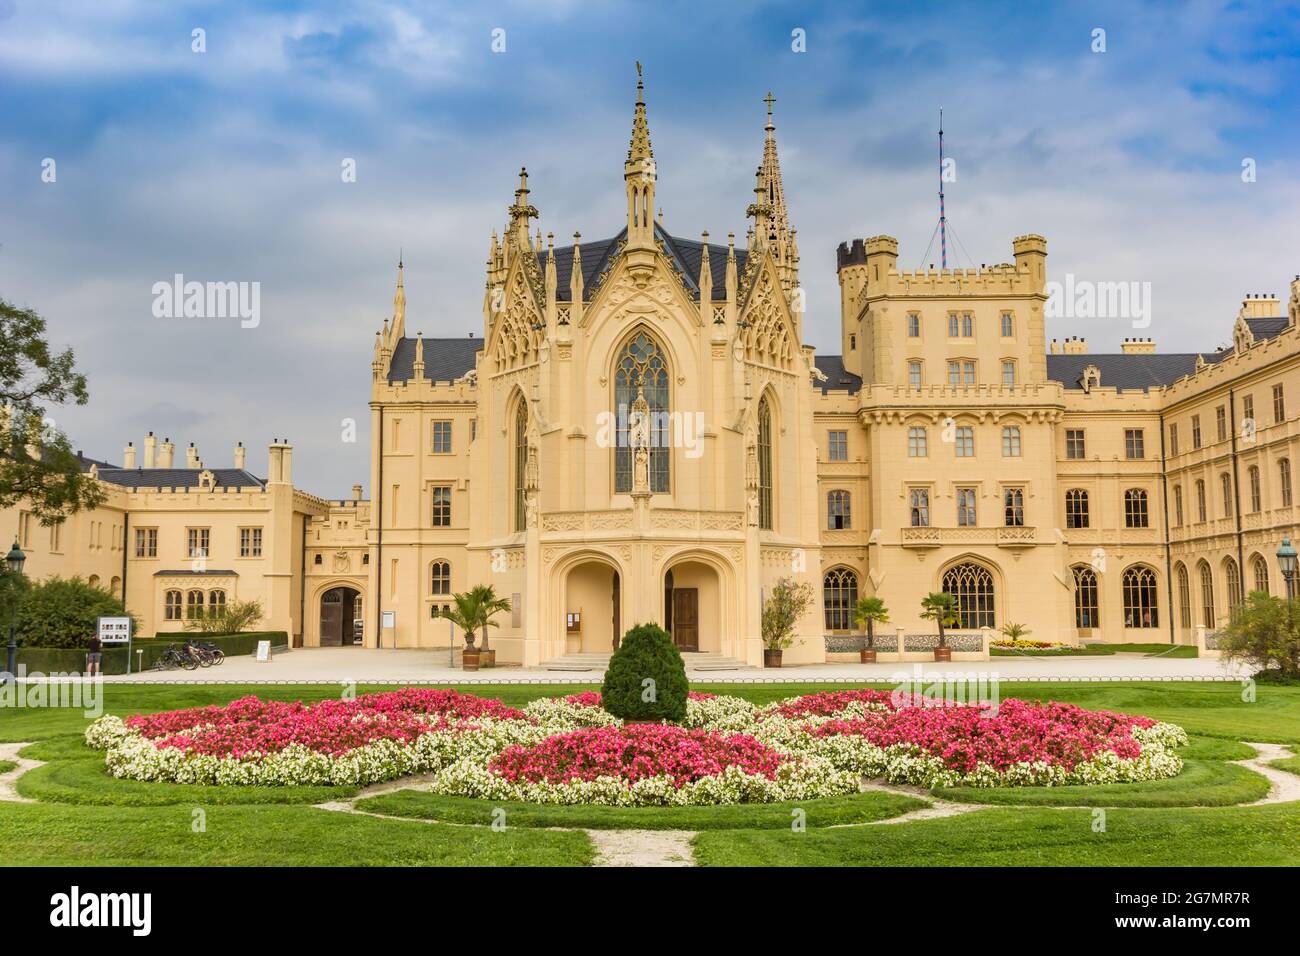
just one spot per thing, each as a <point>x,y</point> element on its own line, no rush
<point>943,219</point>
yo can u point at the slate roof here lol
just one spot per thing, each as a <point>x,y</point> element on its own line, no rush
<point>178,477</point>
<point>837,379</point>
<point>445,360</point>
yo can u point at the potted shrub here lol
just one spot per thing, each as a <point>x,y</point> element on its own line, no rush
<point>646,680</point>
<point>788,602</point>
<point>869,611</point>
<point>489,605</point>
<point>940,607</point>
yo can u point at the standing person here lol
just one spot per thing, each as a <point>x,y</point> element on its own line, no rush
<point>93,657</point>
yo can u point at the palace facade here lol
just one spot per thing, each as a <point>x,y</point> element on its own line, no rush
<point>641,434</point>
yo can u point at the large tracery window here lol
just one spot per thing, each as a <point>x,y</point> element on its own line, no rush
<point>521,463</point>
<point>839,595</point>
<point>1085,597</point>
<point>1140,609</point>
<point>764,464</point>
<point>641,370</point>
<point>972,586</point>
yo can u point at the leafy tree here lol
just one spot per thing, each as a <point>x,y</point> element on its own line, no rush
<point>788,602</point>
<point>63,612</point>
<point>1265,633</point>
<point>233,618</point>
<point>37,463</point>
<point>940,607</point>
<point>646,679</point>
<point>870,611</point>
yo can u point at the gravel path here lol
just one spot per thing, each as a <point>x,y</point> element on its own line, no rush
<point>642,847</point>
<point>1285,785</point>
<point>8,790</point>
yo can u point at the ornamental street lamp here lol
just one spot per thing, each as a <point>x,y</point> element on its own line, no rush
<point>15,560</point>
<point>1286,560</point>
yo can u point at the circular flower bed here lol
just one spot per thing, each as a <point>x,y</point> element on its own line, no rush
<point>569,750</point>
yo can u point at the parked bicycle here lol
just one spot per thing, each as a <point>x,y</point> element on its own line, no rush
<point>174,657</point>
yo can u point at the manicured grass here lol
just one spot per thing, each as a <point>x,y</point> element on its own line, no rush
<point>1156,648</point>
<point>1046,652</point>
<point>829,811</point>
<point>33,834</point>
<point>1203,783</point>
<point>1291,764</point>
<point>1255,836</point>
<point>7,765</point>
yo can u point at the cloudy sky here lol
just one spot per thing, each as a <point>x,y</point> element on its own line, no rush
<point>225,165</point>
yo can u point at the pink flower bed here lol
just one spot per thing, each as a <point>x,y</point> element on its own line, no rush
<point>964,736</point>
<point>633,753</point>
<point>591,698</point>
<point>250,725</point>
<point>831,702</point>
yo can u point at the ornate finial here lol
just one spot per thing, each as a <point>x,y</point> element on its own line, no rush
<point>769,100</point>
<point>639,150</point>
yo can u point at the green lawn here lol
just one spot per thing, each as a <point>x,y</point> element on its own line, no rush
<point>85,817</point>
<point>7,765</point>
<point>1153,648</point>
<point>1291,764</point>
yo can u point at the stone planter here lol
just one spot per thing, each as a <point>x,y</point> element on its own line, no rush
<point>943,653</point>
<point>771,658</point>
<point>868,656</point>
<point>470,660</point>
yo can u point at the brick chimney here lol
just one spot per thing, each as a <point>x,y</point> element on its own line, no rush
<point>128,455</point>
<point>241,455</point>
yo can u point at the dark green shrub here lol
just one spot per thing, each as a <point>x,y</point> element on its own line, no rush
<point>646,679</point>
<point>62,612</point>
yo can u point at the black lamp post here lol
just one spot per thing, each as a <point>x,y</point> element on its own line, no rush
<point>1286,559</point>
<point>15,559</point>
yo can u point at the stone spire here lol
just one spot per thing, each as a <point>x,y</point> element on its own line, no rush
<point>771,217</point>
<point>639,175</point>
<point>399,303</point>
<point>521,212</point>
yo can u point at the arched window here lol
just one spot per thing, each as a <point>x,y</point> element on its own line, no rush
<point>1225,485</point>
<point>216,602</point>
<point>521,463</point>
<point>1178,505</point>
<point>115,586</point>
<point>838,515</point>
<point>1259,567</point>
<point>1140,605</point>
<point>839,594</point>
<point>1284,481</point>
<point>1076,508</point>
<point>1200,500</point>
<point>641,370</point>
<point>972,586</point>
<point>1135,508</point>
<point>1207,594</point>
<point>1232,575</point>
<point>172,606</point>
<point>1256,496</point>
<point>764,464</point>
<point>440,578</point>
<point>193,605</point>
<point>1184,596</point>
<point>93,580</point>
<point>1085,597</point>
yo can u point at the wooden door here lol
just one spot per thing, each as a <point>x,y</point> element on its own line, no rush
<point>331,618</point>
<point>686,619</point>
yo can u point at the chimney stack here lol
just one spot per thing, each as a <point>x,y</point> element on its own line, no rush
<point>280,462</point>
<point>241,457</point>
<point>128,455</point>
<point>356,492</point>
<point>191,456</point>
<point>150,451</point>
<point>1137,346</point>
<point>166,453</point>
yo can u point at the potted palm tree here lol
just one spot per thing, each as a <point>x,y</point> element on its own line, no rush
<point>940,607</point>
<point>788,602</point>
<point>489,605</point>
<point>868,612</point>
<point>464,613</point>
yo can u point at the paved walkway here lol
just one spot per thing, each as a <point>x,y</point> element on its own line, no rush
<point>336,665</point>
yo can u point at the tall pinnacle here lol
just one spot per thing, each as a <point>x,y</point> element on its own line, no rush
<point>775,190</point>
<point>399,303</point>
<point>639,175</point>
<point>639,148</point>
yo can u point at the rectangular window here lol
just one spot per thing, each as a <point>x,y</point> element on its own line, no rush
<point>1013,501</point>
<point>1074,444</point>
<point>1008,372</point>
<point>965,442</point>
<point>1011,441</point>
<point>838,445</point>
<point>1279,404</point>
<point>914,375</point>
<point>25,529</point>
<point>146,542</point>
<point>966,507</point>
<point>917,443</point>
<point>1008,325</point>
<point>1196,431</point>
<point>197,541</point>
<point>441,438</point>
<point>954,326</point>
<point>913,325</point>
<point>442,506</point>
<point>473,428</point>
<point>1134,443</point>
<point>1247,411</point>
<point>967,325</point>
<point>1173,439</point>
<point>56,537</point>
<point>968,373</point>
<point>954,373</point>
<point>920,504</point>
<point>250,542</point>
<point>1178,504</point>
<point>1221,423</point>
<point>1200,501</point>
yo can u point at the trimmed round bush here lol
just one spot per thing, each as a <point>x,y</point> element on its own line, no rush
<point>646,679</point>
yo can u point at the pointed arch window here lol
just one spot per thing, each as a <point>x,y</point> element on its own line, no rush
<point>1184,597</point>
<point>839,595</point>
<point>1207,595</point>
<point>521,463</point>
<point>1140,607</point>
<point>1260,568</point>
<point>1235,597</point>
<point>972,586</point>
<point>1085,597</point>
<point>764,464</point>
<point>641,370</point>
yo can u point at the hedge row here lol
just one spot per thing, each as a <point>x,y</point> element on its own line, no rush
<point>58,660</point>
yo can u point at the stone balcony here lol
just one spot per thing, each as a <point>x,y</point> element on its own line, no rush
<point>934,537</point>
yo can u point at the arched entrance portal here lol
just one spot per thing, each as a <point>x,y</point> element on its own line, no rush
<point>692,608</point>
<point>593,608</point>
<point>340,609</point>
